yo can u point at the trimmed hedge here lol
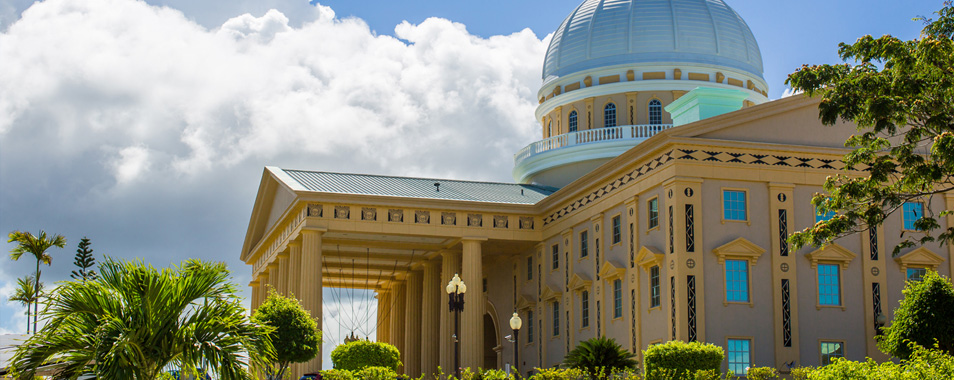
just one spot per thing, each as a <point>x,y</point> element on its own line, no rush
<point>679,360</point>
<point>361,354</point>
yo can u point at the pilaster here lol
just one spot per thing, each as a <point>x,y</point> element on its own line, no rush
<point>684,256</point>
<point>632,275</point>
<point>568,302</point>
<point>874,275</point>
<point>784,275</point>
<point>598,257</point>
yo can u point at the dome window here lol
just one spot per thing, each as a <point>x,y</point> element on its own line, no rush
<point>572,121</point>
<point>655,112</point>
<point>609,116</point>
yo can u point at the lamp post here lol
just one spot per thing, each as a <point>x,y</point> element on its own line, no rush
<point>515,324</point>
<point>455,295</point>
<point>880,321</point>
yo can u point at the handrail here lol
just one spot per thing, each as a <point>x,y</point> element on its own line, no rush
<point>622,132</point>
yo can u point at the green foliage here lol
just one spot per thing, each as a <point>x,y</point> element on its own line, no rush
<point>682,360</point>
<point>762,373</point>
<point>898,93</point>
<point>375,373</point>
<point>135,320</point>
<point>361,353</point>
<point>26,294</point>
<point>35,246</point>
<point>295,334</point>
<point>495,374</point>
<point>922,364</point>
<point>84,260</point>
<point>923,318</point>
<point>558,374</point>
<point>337,374</point>
<point>600,357</point>
<point>801,373</point>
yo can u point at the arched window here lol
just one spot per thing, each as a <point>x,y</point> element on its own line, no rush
<point>655,112</point>
<point>572,121</point>
<point>609,116</point>
<point>550,128</point>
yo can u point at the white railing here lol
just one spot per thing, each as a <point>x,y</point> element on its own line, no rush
<point>622,132</point>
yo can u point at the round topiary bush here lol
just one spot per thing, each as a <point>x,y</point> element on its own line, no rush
<point>679,360</point>
<point>360,354</point>
<point>376,373</point>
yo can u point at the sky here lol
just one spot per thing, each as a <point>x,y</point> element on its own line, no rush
<point>145,126</point>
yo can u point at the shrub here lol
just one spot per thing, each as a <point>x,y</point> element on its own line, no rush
<point>375,373</point>
<point>361,354</point>
<point>924,317</point>
<point>337,374</point>
<point>495,374</point>
<point>600,357</point>
<point>682,359</point>
<point>558,374</point>
<point>762,373</point>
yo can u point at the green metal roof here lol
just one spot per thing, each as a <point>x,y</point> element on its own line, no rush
<point>411,187</point>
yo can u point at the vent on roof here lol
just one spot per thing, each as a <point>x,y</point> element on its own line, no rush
<point>438,186</point>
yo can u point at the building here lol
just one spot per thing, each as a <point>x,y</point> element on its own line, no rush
<point>655,207</point>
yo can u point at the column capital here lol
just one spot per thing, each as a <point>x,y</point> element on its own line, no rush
<point>313,230</point>
<point>474,238</point>
<point>294,244</point>
<point>272,265</point>
<point>283,254</point>
<point>253,283</point>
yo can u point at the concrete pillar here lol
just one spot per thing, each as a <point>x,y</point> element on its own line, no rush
<point>282,273</point>
<point>398,304</point>
<point>412,327</point>
<point>256,291</point>
<point>273,275</point>
<point>450,265</point>
<point>383,329</point>
<point>294,271</point>
<point>430,317</point>
<point>262,286</point>
<point>472,318</point>
<point>311,285</point>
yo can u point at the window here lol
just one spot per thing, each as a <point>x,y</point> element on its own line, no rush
<point>550,128</point>
<point>737,281</point>
<point>829,285</point>
<point>733,205</point>
<point>823,217</point>
<point>530,326</point>
<point>831,350</point>
<point>609,116</point>
<point>617,230</point>
<point>653,209</point>
<point>585,309</point>
<point>617,298</point>
<point>584,243</point>
<point>739,356</point>
<point>655,112</point>
<point>529,268</point>
<point>916,274</point>
<point>572,121</point>
<point>912,211</point>
<point>556,256</point>
<point>654,286</point>
<point>556,318</point>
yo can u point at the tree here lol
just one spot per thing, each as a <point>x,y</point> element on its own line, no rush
<point>26,294</point>
<point>600,357</point>
<point>293,327</point>
<point>899,94</point>
<point>360,354</point>
<point>923,318</point>
<point>35,246</point>
<point>135,320</point>
<point>84,260</point>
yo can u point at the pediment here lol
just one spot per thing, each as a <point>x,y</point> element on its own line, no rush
<point>549,293</point>
<point>609,270</point>
<point>832,253</point>
<point>740,248</point>
<point>649,257</point>
<point>525,302</point>
<point>580,280</point>
<point>920,258</point>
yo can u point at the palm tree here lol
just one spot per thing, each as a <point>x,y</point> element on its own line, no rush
<point>135,320</point>
<point>600,357</point>
<point>26,294</point>
<point>36,246</point>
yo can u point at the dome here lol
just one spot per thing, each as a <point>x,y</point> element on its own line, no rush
<point>602,33</point>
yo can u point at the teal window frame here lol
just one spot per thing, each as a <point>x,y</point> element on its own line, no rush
<point>654,289</point>
<point>584,244</point>
<point>617,229</point>
<point>734,205</point>
<point>829,285</point>
<point>830,350</point>
<point>617,298</point>
<point>585,309</point>
<point>737,281</point>
<point>739,355</point>
<point>652,213</point>
<point>911,212</point>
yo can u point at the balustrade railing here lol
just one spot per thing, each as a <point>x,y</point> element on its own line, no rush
<point>622,132</point>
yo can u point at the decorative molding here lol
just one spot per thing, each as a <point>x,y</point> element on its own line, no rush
<point>549,293</point>
<point>649,257</point>
<point>579,281</point>
<point>501,221</point>
<point>422,217</point>
<point>396,215</point>
<point>315,210</point>
<point>449,218</point>
<point>919,258</point>
<point>342,212</point>
<point>740,248</point>
<point>475,220</point>
<point>526,222</point>
<point>524,302</point>
<point>831,253</point>
<point>369,213</point>
<point>610,271</point>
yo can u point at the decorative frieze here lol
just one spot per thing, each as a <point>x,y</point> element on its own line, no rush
<point>449,218</point>
<point>396,215</point>
<point>422,217</point>
<point>342,212</point>
<point>369,213</point>
<point>526,222</point>
<point>315,210</point>
<point>475,220</point>
<point>500,221</point>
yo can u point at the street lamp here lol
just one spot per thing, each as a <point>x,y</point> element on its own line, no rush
<point>880,321</point>
<point>515,324</point>
<point>455,295</point>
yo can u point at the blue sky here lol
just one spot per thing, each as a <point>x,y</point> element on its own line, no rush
<point>146,126</point>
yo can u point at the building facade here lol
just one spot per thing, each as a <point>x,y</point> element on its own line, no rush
<point>655,207</point>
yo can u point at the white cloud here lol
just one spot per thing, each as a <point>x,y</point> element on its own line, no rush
<point>147,132</point>
<point>789,92</point>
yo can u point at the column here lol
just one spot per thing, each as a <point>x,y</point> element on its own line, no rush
<point>412,327</point>
<point>273,275</point>
<point>263,286</point>
<point>381,329</point>
<point>282,273</point>
<point>294,273</point>
<point>256,291</point>
<point>430,317</point>
<point>397,319</point>
<point>450,265</point>
<point>471,319</point>
<point>311,285</point>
